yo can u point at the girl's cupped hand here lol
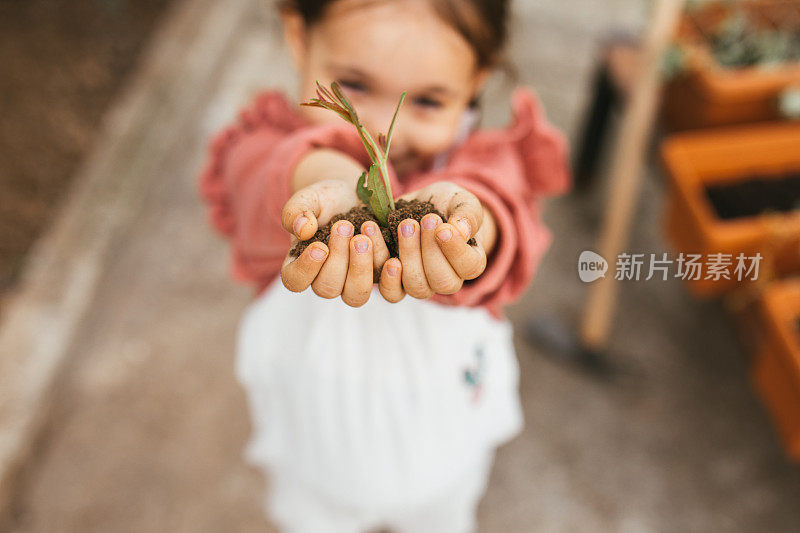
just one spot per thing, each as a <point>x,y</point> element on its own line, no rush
<point>435,257</point>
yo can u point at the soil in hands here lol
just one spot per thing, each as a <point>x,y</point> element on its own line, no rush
<point>756,196</point>
<point>405,209</point>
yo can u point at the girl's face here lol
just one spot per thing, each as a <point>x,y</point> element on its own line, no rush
<point>376,50</point>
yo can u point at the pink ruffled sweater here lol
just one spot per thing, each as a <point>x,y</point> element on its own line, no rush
<point>246,183</point>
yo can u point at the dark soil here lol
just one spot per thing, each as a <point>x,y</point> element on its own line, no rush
<point>756,196</point>
<point>358,215</point>
<point>63,62</point>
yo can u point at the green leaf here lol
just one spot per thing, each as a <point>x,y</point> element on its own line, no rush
<point>344,101</point>
<point>330,107</point>
<point>378,200</point>
<point>324,94</point>
<point>391,127</point>
<point>362,192</point>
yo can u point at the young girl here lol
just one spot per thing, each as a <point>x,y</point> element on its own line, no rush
<point>368,411</point>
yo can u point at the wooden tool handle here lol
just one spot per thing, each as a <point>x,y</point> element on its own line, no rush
<point>626,170</point>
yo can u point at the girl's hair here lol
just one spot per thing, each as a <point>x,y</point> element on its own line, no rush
<point>483,23</point>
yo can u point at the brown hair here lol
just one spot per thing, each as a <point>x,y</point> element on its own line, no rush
<point>482,23</point>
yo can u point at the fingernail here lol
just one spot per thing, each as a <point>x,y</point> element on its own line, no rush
<point>430,222</point>
<point>408,229</point>
<point>317,254</point>
<point>298,224</point>
<point>445,235</point>
<point>345,229</point>
<point>393,270</point>
<point>368,230</point>
<point>463,226</point>
<point>362,246</point>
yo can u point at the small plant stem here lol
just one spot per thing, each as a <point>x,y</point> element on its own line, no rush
<point>380,157</point>
<point>373,150</point>
<point>385,175</point>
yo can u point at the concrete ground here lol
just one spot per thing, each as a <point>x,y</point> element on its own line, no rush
<point>148,423</point>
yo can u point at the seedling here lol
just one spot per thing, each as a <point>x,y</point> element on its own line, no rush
<point>373,187</point>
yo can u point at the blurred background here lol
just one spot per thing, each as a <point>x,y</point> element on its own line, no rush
<point>119,410</point>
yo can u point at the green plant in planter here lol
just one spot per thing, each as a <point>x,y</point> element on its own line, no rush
<point>373,187</point>
<point>737,42</point>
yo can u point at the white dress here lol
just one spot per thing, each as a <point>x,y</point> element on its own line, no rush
<point>381,407</point>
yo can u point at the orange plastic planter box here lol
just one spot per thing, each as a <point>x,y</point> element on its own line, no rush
<point>696,160</point>
<point>708,95</point>
<point>717,97</point>
<point>776,369</point>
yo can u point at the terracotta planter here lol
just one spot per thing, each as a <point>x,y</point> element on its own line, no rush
<point>776,369</point>
<point>708,95</point>
<point>696,160</point>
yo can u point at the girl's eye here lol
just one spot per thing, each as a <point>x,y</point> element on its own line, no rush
<point>353,85</point>
<point>426,102</point>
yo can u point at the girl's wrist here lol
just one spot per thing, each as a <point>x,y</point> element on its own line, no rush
<point>325,164</point>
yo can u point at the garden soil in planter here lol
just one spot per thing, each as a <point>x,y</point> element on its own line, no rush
<point>698,161</point>
<point>358,215</point>
<point>756,196</point>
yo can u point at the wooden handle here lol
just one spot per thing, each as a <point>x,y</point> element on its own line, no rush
<point>626,170</point>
